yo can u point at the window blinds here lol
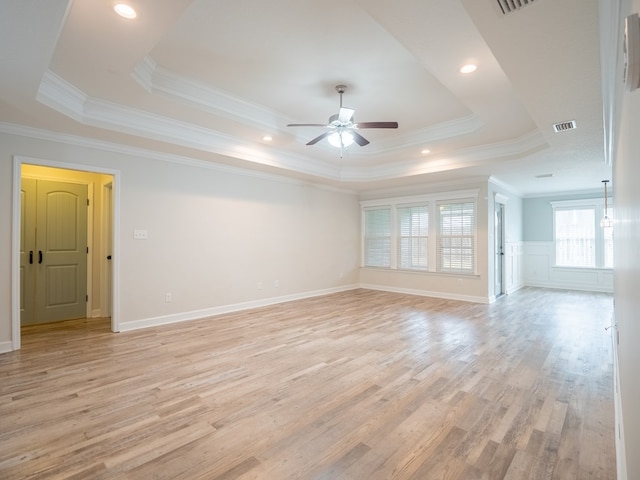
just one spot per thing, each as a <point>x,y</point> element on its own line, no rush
<point>413,228</point>
<point>456,236</point>
<point>377,237</point>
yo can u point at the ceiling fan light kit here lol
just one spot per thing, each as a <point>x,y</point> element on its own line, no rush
<point>341,128</point>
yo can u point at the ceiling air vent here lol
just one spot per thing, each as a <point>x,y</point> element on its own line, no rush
<point>562,126</point>
<point>510,6</point>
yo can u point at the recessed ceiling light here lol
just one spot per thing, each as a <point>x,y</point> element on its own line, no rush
<point>426,151</point>
<point>469,68</point>
<point>125,11</point>
<point>545,175</point>
<point>267,138</point>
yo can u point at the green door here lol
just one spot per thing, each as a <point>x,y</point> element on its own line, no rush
<point>55,275</point>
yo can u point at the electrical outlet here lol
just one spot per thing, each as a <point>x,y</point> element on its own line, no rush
<point>168,297</point>
<point>259,285</point>
<point>276,283</point>
<point>140,234</point>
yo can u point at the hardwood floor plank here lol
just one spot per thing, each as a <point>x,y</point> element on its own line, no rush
<point>359,385</point>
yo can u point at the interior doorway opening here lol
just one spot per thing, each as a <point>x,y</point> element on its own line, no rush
<point>498,287</point>
<point>64,237</point>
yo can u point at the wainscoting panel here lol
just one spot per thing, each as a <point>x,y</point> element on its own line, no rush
<point>539,271</point>
<point>513,271</point>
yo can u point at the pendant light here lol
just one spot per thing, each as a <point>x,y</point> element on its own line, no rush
<point>606,221</point>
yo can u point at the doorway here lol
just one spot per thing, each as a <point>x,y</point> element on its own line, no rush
<point>64,243</point>
<point>54,250</point>
<point>498,223</point>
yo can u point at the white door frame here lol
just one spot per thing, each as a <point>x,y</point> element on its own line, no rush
<point>500,199</point>
<point>15,238</point>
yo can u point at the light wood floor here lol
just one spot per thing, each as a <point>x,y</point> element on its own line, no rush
<point>357,385</point>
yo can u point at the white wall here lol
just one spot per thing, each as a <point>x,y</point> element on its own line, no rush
<point>217,238</point>
<point>626,169</point>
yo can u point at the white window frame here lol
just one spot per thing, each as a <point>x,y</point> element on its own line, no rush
<point>431,201</point>
<point>597,204</point>
<point>460,236</point>
<point>364,235</point>
<point>398,251</point>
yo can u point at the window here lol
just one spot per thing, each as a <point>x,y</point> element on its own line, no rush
<point>456,237</point>
<point>413,233</point>
<point>579,239</point>
<point>607,234</point>
<point>429,233</point>
<point>576,237</point>
<point>377,237</point>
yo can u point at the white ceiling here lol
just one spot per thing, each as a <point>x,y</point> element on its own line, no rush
<point>207,79</point>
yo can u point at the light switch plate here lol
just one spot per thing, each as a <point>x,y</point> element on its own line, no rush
<point>140,234</point>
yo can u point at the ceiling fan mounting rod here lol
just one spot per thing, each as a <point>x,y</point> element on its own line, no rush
<point>341,89</point>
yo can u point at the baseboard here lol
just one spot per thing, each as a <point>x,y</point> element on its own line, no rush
<point>425,293</point>
<point>209,312</point>
<point>569,286</point>
<point>6,347</point>
<point>514,288</point>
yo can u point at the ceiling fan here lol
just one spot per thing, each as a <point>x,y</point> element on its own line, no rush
<point>341,129</point>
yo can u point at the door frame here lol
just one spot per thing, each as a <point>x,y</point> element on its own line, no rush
<point>502,200</point>
<point>18,160</point>
<point>498,209</point>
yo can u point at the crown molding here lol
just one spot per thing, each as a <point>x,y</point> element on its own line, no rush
<point>160,81</point>
<point>60,95</point>
<point>505,186</point>
<point>84,142</point>
<point>524,145</point>
<point>430,135</point>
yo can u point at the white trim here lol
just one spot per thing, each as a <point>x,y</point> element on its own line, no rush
<point>471,194</point>
<point>426,293</point>
<point>6,347</point>
<point>583,202</point>
<point>85,142</point>
<point>505,186</point>
<point>236,307</point>
<point>595,204</point>
<point>18,160</point>
<point>62,96</point>
<point>15,255</point>
<point>539,271</point>
<point>565,193</point>
<point>499,198</point>
<point>431,200</point>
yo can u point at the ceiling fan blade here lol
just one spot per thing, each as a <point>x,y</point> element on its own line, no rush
<point>345,115</point>
<point>306,125</point>
<point>320,137</point>
<point>377,125</point>
<point>359,139</point>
